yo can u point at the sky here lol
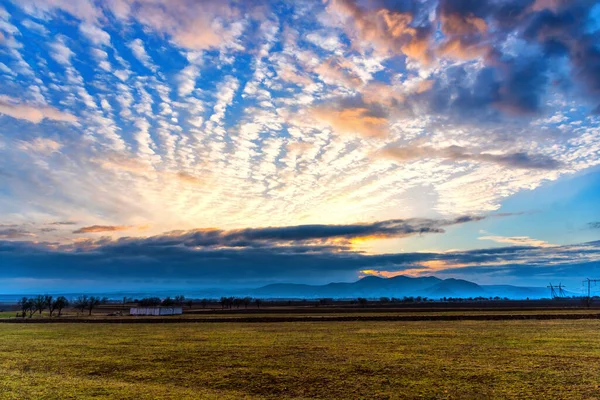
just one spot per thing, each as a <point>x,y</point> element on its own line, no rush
<point>152,143</point>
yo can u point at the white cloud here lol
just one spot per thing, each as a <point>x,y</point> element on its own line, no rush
<point>517,241</point>
<point>34,26</point>
<point>32,113</point>
<point>39,145</point>
<point>95,34</point>
<point>60,52</point>
<point>187,80</point>
<point>137,47</point>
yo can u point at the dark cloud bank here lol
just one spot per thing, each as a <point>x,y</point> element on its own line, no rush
<point>309,253</point>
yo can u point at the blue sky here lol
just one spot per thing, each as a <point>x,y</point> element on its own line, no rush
<point>309,141</point>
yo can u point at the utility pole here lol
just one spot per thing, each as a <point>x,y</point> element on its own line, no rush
<point>589,284</point>
<point>552,291</point>
<point>561,292</point>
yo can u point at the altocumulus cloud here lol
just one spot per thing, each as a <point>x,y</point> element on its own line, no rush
<point>31,112</point>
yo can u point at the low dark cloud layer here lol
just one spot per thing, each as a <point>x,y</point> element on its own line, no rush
<point>178,258</point>
<point>302,234</point>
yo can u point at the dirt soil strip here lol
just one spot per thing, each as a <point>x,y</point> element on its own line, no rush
<point>161,320</point>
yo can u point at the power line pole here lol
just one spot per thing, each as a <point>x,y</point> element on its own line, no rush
<point>589,284</point>
<point>561,292</point>
<point>552,291</point>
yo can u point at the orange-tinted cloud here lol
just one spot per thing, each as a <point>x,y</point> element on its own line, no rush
<point>382,274</point>
<point>351,120</point>
<point>388,31</point>
<point>333,72</point>
<point>101,228</point>
<point>457,24</point>
<point>289,74</point>
<point>188,178</point>
<point>381,93</point>
<point>463,49</point>
<point>125,163</point>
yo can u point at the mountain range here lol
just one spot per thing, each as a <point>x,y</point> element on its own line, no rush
<point>398,286</point>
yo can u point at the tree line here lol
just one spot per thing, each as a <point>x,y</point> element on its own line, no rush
<point>30,305</point>
<point>230,302</point>
<point>156,301</point>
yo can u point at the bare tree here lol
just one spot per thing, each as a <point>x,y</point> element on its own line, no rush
<point>224,302</point>
<point>189,303</point>
<point>203,302</point>
<point>168,302</point>
<point>81,303</point>
<point>95,302</point>
<point>150,302</point>
<point>179,300</point>
<point>60,303</point>
<point>49,304</point>
<point>257,302</point>
<point>362,301</point>
<point>246,301</point>
<point>25,304</point>
<point>237,302</point>
<point>40,303</point>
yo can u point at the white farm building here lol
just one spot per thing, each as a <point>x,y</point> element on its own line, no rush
<point>176,310</point>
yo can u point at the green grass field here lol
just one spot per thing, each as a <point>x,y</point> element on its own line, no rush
<point>352,360</point>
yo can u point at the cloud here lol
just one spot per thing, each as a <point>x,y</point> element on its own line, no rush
<point>32,113</point>
<point>101,228</point>
<point>95,34</point>
<point>129,260</point>
<point>191,24</point>
<point>457,153</point>
<point>61,53</point>
<point>82,9</point>
<point>387,30</point>
<point>288,238</point>
<point>352,117</point>
<point>332,71</point>
<point>517,241</point>
<point>39,145</point>
<point>137,47</point>
<point>188,178</point>
<point>14,233</point>
<point>593,225</point>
